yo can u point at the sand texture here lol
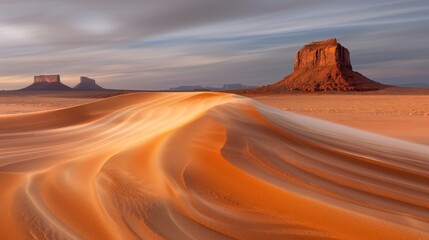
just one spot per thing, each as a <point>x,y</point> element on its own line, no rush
<point>204,166</point>
<point>399,116</point>
<point>13,102</point>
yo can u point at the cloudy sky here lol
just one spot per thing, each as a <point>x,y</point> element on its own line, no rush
<point>158,44</point>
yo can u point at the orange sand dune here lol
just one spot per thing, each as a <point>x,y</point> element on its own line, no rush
<point>204,166</point>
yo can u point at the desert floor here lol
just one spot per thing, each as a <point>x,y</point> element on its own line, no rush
<point>210,166</point>
<point>404,116</point>
<point>12,102</point>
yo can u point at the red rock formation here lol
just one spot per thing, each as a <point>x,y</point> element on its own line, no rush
<point>323,54</point>
<point>47,83</point>
<point>323,66</point>
<point>47,78</point>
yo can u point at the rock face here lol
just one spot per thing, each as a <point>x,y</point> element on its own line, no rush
<point>47,79</point>
<point>47,83</point>
<point>88,84</point>
<point>323,66</point>
<point>323,54</point>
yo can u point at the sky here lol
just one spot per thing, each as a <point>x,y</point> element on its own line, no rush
<point>158,44</point>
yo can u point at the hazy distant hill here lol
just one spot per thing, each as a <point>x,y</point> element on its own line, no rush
<point>413,85</point>
<point>225,87</point>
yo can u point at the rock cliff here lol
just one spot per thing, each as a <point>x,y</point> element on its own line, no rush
<point>323,54</point>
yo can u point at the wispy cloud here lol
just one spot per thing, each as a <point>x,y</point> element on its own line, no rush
<point>156,44</point>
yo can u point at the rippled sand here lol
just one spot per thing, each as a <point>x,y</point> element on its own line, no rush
<point>204,166</point>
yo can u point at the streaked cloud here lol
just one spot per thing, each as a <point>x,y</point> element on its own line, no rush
<point>157,44</point>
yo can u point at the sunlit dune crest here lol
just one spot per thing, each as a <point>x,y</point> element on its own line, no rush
<point>204,166</point>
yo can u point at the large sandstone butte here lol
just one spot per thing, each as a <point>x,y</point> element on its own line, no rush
<point>88,84</point>
<point>323,66</point>
<point>47,83</point>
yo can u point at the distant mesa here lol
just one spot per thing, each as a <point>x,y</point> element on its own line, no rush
<point>88,84</point>
<point>235,86</point>
<point>323,66</point>
<point>413,85</point>
<point>47,83</point>
<point>189,88</point>
<point>53,83</point>
<point>225,87</point>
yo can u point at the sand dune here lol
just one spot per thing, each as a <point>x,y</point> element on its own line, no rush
<point>204,166</point>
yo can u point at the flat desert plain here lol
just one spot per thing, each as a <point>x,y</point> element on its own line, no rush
<point>206,165</point>
<point>12,102</point>
<point>399,113</point>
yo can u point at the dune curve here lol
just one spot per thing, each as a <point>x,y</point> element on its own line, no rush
<point>204,166</point>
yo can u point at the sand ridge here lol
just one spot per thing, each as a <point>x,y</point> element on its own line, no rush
<point>205,166</point>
